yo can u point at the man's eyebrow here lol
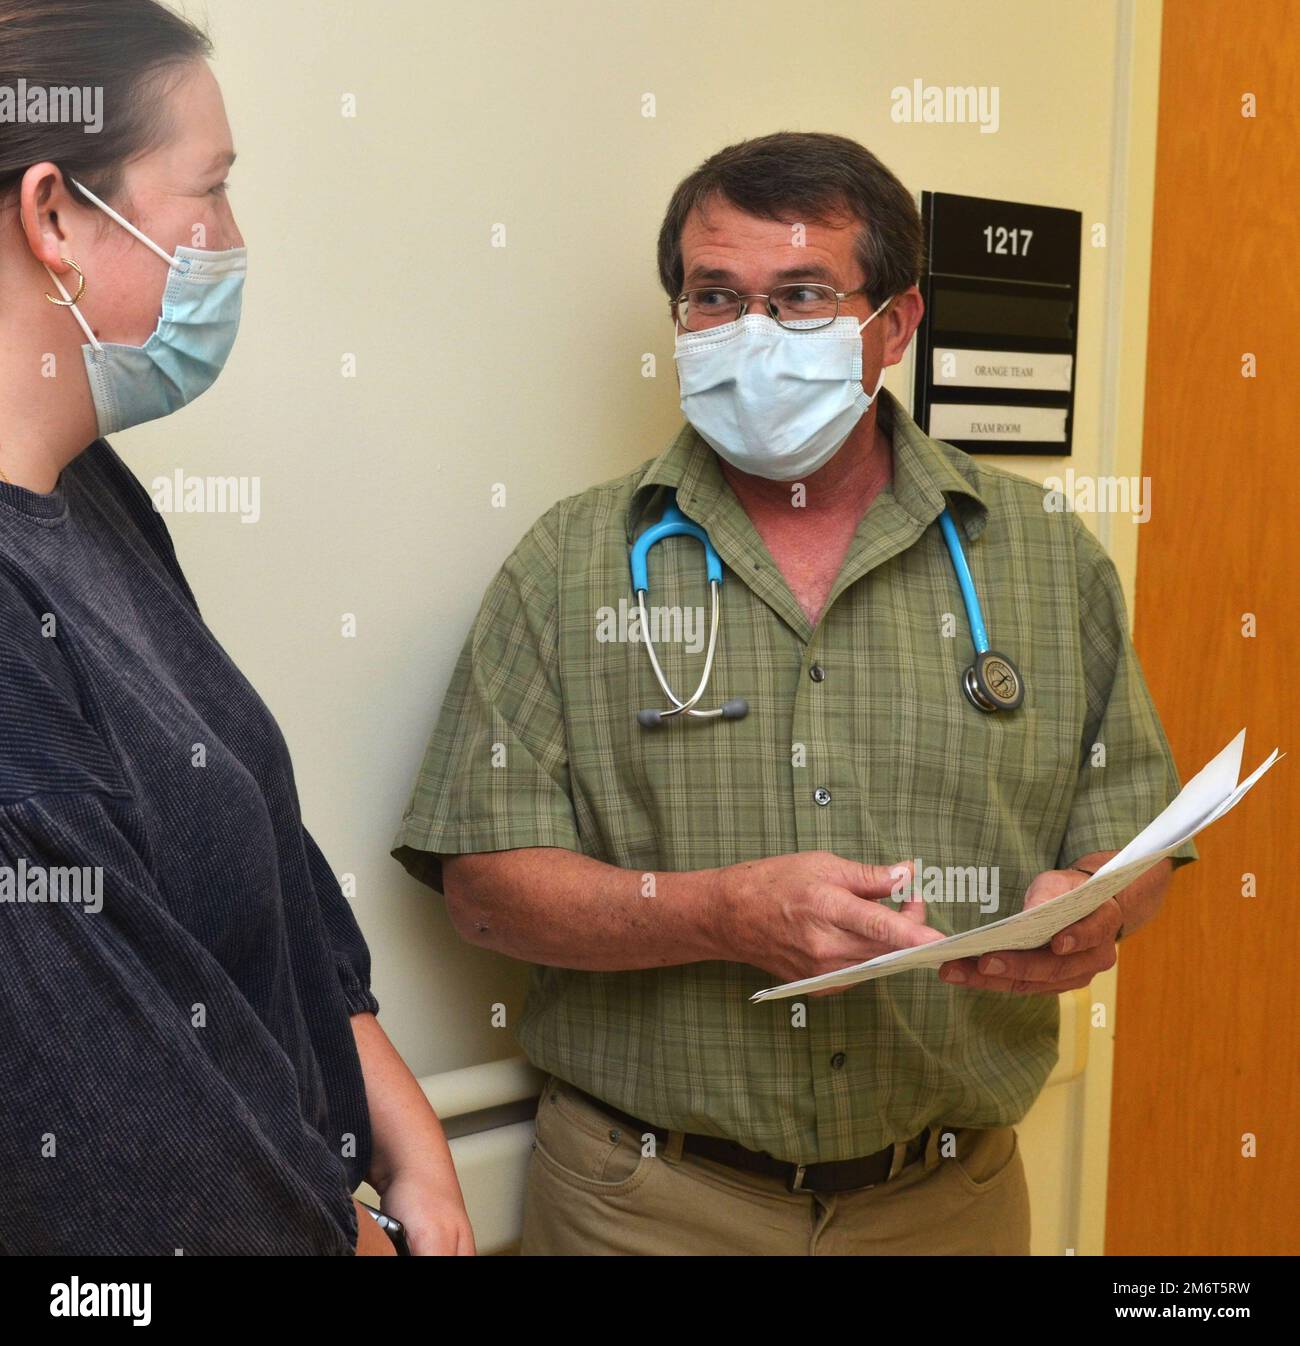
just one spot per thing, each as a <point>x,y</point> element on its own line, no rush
<point>223,160</point>
<point>808,271</point>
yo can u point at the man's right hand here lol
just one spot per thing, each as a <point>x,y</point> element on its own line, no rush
<point>812,912</point>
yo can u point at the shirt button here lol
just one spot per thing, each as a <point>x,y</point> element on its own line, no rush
<point>821,795</point>
<point>838,1060</point>
<point>817,673</point>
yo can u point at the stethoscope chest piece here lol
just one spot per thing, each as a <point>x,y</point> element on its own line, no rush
<point>993,682</point>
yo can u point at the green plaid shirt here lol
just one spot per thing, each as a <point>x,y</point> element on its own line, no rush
<point>876,756</point>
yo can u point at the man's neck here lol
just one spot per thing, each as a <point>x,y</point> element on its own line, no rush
<point>809,534</point>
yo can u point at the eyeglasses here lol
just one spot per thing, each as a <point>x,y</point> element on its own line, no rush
<point>805,307</point>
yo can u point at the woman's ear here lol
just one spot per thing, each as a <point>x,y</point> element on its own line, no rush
<point>46,210</point>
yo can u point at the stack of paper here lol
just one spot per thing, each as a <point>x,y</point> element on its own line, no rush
<point>1207,796</point>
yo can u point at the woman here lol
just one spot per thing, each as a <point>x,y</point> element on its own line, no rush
<point>188,1044</point>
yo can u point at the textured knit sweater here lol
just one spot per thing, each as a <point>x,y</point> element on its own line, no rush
<point>177,961</point>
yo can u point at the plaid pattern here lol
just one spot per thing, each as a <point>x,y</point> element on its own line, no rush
<point>538,745</point>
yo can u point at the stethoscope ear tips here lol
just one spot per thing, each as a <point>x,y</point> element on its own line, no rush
<point>735,709</point>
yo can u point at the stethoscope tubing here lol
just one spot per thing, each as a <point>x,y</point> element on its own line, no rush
<point>684,707</point>
<point>974,614</point>
<point>985,683</point>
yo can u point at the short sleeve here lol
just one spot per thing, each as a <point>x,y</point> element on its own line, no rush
<point>495,774</point>
<point>1127,774</point>
<point>351,953</point>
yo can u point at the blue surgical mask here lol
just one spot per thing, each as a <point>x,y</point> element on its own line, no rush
<point>773,401</point>
<point>200,316</point>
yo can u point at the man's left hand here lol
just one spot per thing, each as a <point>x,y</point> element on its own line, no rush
<point>1072,959</point>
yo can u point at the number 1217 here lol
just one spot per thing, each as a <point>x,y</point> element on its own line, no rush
<point>1008,242</point>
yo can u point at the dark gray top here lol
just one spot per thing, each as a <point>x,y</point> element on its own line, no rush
<point>177,1068</point>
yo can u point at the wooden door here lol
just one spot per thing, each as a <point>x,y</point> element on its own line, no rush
<point>1207,1050</point>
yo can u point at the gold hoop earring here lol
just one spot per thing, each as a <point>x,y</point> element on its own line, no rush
<point>67,303</point>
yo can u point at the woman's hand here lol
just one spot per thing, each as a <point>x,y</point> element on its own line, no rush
<point>410,1163</point>
<point>433,1213</point>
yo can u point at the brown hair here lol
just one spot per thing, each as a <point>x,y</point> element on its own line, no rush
<point>124,48</point>
<point>811,176</point>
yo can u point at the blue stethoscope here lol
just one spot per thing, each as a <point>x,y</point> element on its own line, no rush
<point>991,683</point>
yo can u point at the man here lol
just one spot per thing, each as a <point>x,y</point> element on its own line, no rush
<point>658,876</point>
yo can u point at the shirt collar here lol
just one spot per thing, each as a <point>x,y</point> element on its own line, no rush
<point>927,475</point>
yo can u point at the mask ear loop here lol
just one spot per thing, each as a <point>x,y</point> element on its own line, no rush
<point>879,311</point>
<point>127,225</point>
<point>131,229</point>
<point>76,312</point>
<point>880,381</point>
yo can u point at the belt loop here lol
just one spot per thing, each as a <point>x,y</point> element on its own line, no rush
<point>932,1146</point>
<point>899,1159</point>
<point>673,1150</point>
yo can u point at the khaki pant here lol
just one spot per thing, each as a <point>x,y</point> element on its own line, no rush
<point>590,1190</point>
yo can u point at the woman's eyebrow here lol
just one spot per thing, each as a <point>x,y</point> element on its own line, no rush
<point>224,159</point>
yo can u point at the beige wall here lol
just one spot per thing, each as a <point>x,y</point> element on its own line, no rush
<point>372,235</point>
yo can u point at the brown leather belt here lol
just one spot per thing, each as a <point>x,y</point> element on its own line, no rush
<point>836,1175</point>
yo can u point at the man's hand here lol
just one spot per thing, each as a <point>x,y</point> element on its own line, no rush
<point>800,915</point>
<point>1073,957</point>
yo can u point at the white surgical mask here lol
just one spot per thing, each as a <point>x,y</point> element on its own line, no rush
<point>201,305</point>
<point>773,401</point>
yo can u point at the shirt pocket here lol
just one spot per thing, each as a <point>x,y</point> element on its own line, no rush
<point>976,788</point>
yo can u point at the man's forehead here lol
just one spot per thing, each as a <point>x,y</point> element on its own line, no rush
<point>720,272</point>
<point>727,244</point>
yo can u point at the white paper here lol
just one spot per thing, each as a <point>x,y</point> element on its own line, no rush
<point>1211,793</point>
